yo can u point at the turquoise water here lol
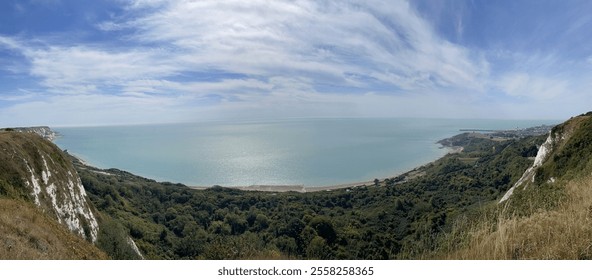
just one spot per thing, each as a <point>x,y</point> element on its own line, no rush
<point>311,152</point>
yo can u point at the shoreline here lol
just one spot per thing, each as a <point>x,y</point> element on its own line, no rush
<point>407,175</point>
<point>300,188</point>
<point>289,188</point>
<point>401,178</point>
<point>404,177</point>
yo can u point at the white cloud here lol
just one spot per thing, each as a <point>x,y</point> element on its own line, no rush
<point>9,43</point>
<point>196,89</point>
<point>286,58</point>
<point>110,26</point>
<point>533,87</point>
<point>284,50</point>
<point>95,109</point>
<point>388,42</point>
<point>70,67</point>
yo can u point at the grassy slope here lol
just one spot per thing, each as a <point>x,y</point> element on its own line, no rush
<point>28,234</point>
<point>547,221</point>
<point>15,149</point>
<point>25,231</point>
<point>555,224</point>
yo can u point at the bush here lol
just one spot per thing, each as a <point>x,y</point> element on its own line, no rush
<point>113,240</point>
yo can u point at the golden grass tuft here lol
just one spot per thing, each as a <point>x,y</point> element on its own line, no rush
<point>564,232</point>
<point>28,234</point>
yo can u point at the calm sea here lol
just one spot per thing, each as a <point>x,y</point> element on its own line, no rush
<point>310,152</point>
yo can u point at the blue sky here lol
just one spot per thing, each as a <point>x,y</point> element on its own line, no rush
<point>71,62</point>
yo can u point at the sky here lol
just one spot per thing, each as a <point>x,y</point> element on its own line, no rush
<point>105,62</point>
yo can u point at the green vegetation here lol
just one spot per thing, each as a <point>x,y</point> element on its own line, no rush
<point>27,230</point>
<point>571,157</point>
<point>401,217</point>
<point>113,239</point>
<point>19,149</point>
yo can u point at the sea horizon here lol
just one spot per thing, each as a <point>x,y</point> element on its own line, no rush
<point>308,152</point>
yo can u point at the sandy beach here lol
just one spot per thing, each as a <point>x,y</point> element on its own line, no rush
<point>293,188</point>
<point>414,173</point>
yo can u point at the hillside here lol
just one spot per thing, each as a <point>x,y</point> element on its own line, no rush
<point>547,213</point>
<point>26,233</point>
<point>36,170</point>
<point>42,200</point>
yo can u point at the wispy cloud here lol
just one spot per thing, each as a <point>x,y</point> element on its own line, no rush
<point>304,57</point>
<point>533,87</point>
<point>9,43</point>
<point>387,42</point>
<point>66,67</point>
<point>85,110</point>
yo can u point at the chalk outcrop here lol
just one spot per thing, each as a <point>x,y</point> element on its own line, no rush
<point>566,152</point>
<point>34,169</point>
<point>529,175</point>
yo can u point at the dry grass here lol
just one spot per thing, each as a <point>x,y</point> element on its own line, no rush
<point>28,234</point>
<point>564,232</point>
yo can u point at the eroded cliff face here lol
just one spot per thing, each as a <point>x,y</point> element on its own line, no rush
<point>34,169</point>
<point>528,177</point>
<point>43,131</point>
<point>567,151</point>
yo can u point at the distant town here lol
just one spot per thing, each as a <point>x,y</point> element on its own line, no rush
<point>513,133</point>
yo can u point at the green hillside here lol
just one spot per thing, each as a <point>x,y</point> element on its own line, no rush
<point>32,224</point>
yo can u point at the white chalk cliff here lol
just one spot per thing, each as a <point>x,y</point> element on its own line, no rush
<point>33,166</point>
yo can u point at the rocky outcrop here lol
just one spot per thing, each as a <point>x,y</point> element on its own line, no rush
<point>43,131</point>
<point>567,150</point>
<point>34,169</point>
<point>529,175</point>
